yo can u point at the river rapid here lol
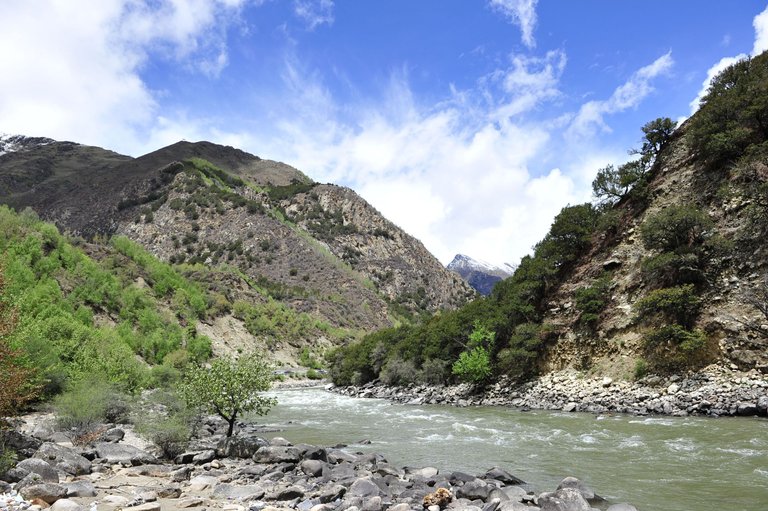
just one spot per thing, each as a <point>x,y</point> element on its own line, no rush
<point>655,463</point>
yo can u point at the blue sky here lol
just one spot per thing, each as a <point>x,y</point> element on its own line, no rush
<point>468,123</point>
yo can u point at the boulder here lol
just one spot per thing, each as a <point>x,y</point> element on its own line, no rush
<point>289,493</point>
<point>762,405</point>
<point>200,483</point>
<point>123,453</point>
<point>239,446</point>
<point>586,492</point>
<point>35,465</point>
<point>64,459</point>
<point>24,445</point>
<point>66,505</point>
<point>47,492</point>
<point>149,506</point>
<point>312,468</point>
<point>80,489</point>
<point>364,487</point>
<point>235,492</point>
<point>502,475</point>
<point>473,490</point>
<point>426,472</point>
<point>113,435</point>
<point>203,457</point>
<point>331,493</point>
<point>565,499</point>
<point>277,454</point>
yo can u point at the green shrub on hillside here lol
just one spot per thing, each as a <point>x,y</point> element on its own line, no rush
<point>87,406</point>
<point>678,304</point>
<point>675,228</point>
<point>591,300</point>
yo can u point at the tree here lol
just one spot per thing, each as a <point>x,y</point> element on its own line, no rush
<point>657,134</point>
<point>229,388</point>
<point>614,183</point>
<point>475,365</point>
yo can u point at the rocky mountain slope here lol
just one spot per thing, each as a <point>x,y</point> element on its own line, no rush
<point>269,232</point>
<point>480,275</point>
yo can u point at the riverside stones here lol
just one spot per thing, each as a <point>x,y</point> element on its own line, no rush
<point>63,458</point>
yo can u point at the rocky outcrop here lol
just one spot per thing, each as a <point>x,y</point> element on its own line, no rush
<point>713,391</point>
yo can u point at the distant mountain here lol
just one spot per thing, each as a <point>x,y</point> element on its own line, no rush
<point>480,275</point>
<point>250,229</point>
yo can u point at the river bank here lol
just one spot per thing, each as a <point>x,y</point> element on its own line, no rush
<point>248,472</point>
<point>713,391</point>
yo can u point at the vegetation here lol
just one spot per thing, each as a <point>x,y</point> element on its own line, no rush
<point>591,300</point>
<point>229,388</point>
<point>90,403</point>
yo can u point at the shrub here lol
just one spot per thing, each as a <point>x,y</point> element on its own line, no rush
<point>675,228</point>
<point>641,368</point>
<point>673,347</point>
<point>398,371</point>
<point>592,300</point>
<point>671,268</point>
<point>314,374</point>
<point>473,366</point>
<point>678,304</point>
<point>87,405</point>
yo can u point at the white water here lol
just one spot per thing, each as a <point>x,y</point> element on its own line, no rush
<point>655,463</point>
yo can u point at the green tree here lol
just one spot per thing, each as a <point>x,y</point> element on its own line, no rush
<point>229,388</point>
<point>614,183</point>
<point>656,135</point>
<point>474,365</point>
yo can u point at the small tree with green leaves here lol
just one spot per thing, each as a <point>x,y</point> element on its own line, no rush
<point>474,365</point>
<point>229,388</point>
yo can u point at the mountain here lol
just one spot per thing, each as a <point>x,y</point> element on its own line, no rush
<point>250,230</point>
<point>480,275</point>
<point>666,273</point>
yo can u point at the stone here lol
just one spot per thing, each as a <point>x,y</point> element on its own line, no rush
<point>64,459</point>
<point>24,445</point>
<point>277,454</point>
<point>673,388</point>
<point>746,409</point>
<point>35,465</point>
<point>124,454</point>
<point>570,407</point>
<point>399,507</point>
<point>312,468</point>
<point>113,435</point>
<point>148,496</point>
<point>329,494</point>
<point>169,492</point>
<point>440,498</point>
<point>364,487</point>
<point>426,472</point>
<point>236,492</point>
<point>280,441</point>
<point>47,492</point>
<point>473,490</point>
<point>577,484</point>
<point>502,475</point>
<point>514,506</point>
<point>372,504</point>
<point>206,456</point>
<point>115,500</point>
<point>200,483</point>
<point>762,405</point>
<point>565,499</point>
<point>80,489</point>
<point>149,506</point>
<point>240,446</point>
<point>189,502</point>
<point>181,474</point>
<point>66,505</point>
<point>290,493</point>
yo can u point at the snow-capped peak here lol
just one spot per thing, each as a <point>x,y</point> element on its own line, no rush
<point>13,143</point>
<point>468,263</point>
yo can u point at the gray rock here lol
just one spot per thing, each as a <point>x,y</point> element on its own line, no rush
<point>189,502</point>
<point>426,472</point>
<point>372,504</point>
<point>502,475</point>
<point>203,457</point>
<point>200,483</point>
<point>762,405</point>
<point>24,445</point>
<point>231,491</point>
<point>277,454</point>
<point>47,492</point>
<point>80,489</point>
<point>623,506</point>
<point>280,441</point>
<point>312,468</point>
<point>113,435</point>
<point>66,505</point>
<point>64,459</point>
<point>123,453</point>
<point>401,507</point>
<point>169,492</point>
<point>566,499</point>
<point>586,492</point>
<point>364,487</point>
<point>46,472</point>
<point>515,506</point>
<point>331,493</point>
<point>289,493</point>
<point>181,474</point>
<point>746,409</point>
<point>473,490</point>
<point>240,446</point>
<point>149,506</point>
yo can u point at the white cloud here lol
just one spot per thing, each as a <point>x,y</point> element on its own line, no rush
<point>314,12</point>
<point>591,114</point>
<point>71,69</point>
<point>761,32</point>
<point>522,13</point>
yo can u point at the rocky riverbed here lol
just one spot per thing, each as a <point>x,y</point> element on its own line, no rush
<point>246,472</point>
<point>715,391</point>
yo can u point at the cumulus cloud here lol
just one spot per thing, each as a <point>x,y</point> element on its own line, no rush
<point>761,32</point>
<point>314,12</point>
<point>591,114</point>
<point>522,13</point>
<point>71,69</point>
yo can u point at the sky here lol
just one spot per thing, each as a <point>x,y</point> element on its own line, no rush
<point>468,123</point>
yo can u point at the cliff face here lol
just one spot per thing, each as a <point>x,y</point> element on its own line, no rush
<point>317,249</point>
<point>729,272</point>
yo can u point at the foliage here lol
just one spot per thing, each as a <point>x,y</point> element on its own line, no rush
<point>675,228</point>
<point>732,120</point>
<point>398,371</point>
<point>674,347</point>
<point>656,135</point>
<point>672,268</point>
<point>591,300</point>
<point>171,427</point>
<point>278,193</point>
<point>473,366</point>
<point>87,405</point>
<point>229,388</point>
<point>679,304</point>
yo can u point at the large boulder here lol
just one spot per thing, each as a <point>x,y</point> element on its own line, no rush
<point>586,492</point>
<point>123,453</point>
<point>502,475</point>
<point>235,492</point>
<point>239,446</point>
<point>80,488</point>
<point>35,465</point>
<point>565,499</point>
<point>277,454</point>
<point>24,445</point>
<point>47,492</point>
<point>64,459</point>
<point>364,487</point>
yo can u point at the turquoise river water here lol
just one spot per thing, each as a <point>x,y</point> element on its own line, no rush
<point>655,463</point>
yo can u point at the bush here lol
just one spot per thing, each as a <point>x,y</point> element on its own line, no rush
<point>675,228</point>
<point>473,366</point>
<point>677,304</point>
<point>398,371</point>
<point>673,347</point>
<point>87,405</point>
<point>314,374</point>
<point>592,300</point>
<point>670,269</point>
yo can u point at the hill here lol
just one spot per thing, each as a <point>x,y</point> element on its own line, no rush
<point>259,236</point>
<point>664,273</point>
<point>480,275</point>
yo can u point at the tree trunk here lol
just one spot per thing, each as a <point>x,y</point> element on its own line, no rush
<point>231,425</point>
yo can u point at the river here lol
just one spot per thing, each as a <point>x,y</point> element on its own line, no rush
<point>655,463</point>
